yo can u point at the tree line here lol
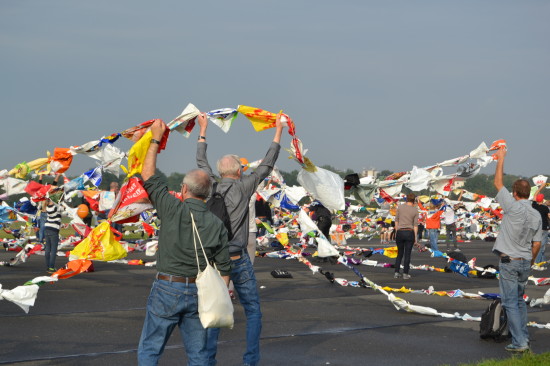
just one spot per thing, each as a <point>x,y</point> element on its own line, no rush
<point>480,184</point>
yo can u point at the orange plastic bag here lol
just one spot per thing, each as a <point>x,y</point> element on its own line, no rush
<point>73,268</point>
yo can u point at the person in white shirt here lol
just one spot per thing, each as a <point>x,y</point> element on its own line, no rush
<point>449,220</point>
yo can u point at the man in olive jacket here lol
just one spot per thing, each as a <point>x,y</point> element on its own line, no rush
<point>173,297</point>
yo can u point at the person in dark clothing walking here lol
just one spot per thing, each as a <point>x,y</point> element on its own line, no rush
<point>322,217</point>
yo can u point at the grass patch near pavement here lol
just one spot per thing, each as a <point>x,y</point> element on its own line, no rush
<point>526,359</point>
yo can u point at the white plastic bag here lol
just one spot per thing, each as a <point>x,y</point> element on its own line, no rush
<point>325,186</point>
<point>215,306</point>
<point>540,179</point>
<point>325,249</point>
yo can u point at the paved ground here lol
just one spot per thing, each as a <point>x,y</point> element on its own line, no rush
<point>96,318</point>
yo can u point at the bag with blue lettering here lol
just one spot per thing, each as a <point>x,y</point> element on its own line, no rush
<point>460,267</point>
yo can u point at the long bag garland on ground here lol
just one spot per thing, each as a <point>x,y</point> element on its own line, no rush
<point>215,306</point>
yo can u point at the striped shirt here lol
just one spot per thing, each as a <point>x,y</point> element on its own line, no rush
<point>53,221</point>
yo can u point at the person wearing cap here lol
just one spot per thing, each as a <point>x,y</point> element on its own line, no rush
<point>173,297</point>
<point>517,245</point>
<point>544,212</point>
<point>239,188</point>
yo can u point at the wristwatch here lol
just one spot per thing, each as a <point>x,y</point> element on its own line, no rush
<point>202,137</point>
<point>154,141</point>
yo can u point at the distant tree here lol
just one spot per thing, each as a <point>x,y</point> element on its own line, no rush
<point>291,179</point>
<point>174,181</point>
<point>341,173</point>
<point>108,178</point>
<point>384,173</point>
<point>479,184</point>
<point>483,184</point>
<point>330,168</point>
<point>163,176</point>
<point>346,172</point>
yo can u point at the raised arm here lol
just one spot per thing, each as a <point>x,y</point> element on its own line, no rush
<point>150,163</point>
<point>202,120</point>
<point>499,171</point>
<point>268,162</point>
<point>202,160</point>
<point>278,129</point>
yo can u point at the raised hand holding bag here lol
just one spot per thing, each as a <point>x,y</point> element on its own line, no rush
<point>215,306</point>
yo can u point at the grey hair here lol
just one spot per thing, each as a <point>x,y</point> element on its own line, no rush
<point>198,183</point>
<point>229,165</point>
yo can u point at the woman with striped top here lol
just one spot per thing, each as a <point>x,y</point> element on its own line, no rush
<point>53,223</point>
<point>51,227</point>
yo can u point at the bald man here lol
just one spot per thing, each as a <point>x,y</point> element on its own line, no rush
<point>237,190</point>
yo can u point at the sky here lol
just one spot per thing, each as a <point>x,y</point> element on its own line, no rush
<point>383,85</point>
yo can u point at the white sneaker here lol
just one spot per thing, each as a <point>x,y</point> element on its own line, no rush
<point>406,276</point>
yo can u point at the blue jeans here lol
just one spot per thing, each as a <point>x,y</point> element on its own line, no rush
<point>50,249</point>
<point>405,241</point>
<point>541,257</point>
<point>451,235</point>
<point>512,281</point>
<point>434,235</point>
<point>171,304</point>
<point>242,275</point>
<point>42,226</point>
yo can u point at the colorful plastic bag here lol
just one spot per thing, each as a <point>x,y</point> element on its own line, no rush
<point>100,245</point>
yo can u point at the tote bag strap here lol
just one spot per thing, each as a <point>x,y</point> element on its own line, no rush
<point>195,236</point>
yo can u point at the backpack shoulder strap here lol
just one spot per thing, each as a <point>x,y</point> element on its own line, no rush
<point>227,190</point>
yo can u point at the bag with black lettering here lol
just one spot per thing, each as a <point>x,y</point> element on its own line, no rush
<point>494,323</point>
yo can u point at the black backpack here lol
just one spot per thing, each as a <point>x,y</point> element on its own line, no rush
<point>458,256</point>
<point>216,205</point>
<point>494,323</point>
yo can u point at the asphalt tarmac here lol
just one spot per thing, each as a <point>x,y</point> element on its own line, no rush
<point>96,318</point>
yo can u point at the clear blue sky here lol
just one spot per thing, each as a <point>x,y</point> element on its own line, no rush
<point>370,84</point>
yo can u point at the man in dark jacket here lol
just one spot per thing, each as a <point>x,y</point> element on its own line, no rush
<point>322,217</point>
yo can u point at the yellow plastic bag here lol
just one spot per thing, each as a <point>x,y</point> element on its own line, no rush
<point>261,120</point>
<point>390,252</point>
<point>100,244</point>
<point>282,238</point>
<point>136,155</point>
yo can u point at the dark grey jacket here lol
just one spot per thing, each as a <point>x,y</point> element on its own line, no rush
<point>238,195</point>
